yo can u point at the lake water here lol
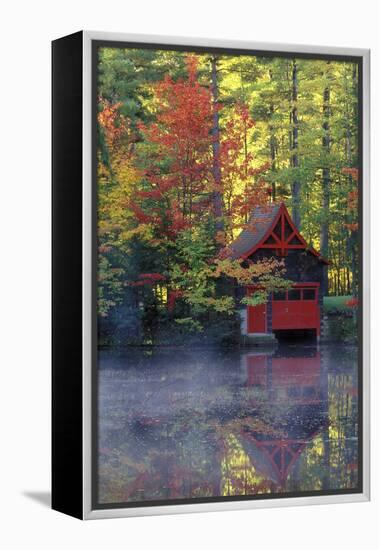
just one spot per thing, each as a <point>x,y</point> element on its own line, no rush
<point>177,423</point>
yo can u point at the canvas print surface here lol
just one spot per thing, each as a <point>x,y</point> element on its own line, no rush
<point>228,275</point>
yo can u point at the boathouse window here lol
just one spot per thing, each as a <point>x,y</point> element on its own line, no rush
<point>294,294</point>
<point>309,294</point>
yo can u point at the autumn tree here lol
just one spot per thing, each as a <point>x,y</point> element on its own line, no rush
<point>177,177</point>
<point>189,145</point>
<point>180,180</point>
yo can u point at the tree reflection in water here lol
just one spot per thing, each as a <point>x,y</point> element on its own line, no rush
<point>205,423</point>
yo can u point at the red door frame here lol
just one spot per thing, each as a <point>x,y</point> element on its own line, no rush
<point>256,315</point>
<point>256,319</point>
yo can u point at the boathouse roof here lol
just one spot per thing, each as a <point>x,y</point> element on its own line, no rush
<point>269,226</point>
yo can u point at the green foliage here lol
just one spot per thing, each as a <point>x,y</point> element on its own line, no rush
<point>109,286</point>
<point>156,183</point>
<point>336,303</point>
<point>341,319</point>
<point>189,324</point>
<point>342,329</point>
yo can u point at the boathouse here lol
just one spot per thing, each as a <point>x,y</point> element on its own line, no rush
<point>270,232</point>
<point>296,386</point>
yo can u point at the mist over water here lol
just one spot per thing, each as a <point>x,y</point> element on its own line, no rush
<point>196,423</point>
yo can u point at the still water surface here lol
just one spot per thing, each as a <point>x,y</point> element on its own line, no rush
<point>201,423</point>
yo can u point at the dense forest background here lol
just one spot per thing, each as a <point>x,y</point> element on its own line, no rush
<point>188,145</point>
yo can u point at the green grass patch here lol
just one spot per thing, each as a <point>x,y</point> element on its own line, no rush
<point>336,303</point>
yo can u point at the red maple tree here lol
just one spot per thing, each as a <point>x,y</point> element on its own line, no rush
<point>180,180</point>
<point>178,176</point>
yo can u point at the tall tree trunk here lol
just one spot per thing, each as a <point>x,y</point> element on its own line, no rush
<point>324,234</point>
<point>272,154</point>
<point>272,142</point>
<point>295,149</point>
<point>353,234</point>
<point>216,196</point>
<point>245,166</point>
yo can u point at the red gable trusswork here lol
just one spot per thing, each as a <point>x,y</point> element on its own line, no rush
<point>269,227</point>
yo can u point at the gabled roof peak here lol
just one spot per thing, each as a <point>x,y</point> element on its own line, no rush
<point>269,226</point>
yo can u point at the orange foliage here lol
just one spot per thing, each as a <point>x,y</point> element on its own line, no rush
<point>112,121</point>
<point>182,133</point>
<point>352,198</point>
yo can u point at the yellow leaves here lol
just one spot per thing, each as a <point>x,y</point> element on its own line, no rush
<point>118,180</point>
<point>223,304</point>
<point>114,196</point>
<point>249,274</point>
<point>125,173</point>
<point>102,172</point>
<point>239,475</point>
<point>144,231</point>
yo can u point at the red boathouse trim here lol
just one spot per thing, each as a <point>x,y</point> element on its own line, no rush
<point>293,309</point>
<point>282,235</point>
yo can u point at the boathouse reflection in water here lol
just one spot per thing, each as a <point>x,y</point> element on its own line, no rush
<point>187,424</point>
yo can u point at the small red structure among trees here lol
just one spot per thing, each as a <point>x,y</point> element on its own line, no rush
<point>271,232</point>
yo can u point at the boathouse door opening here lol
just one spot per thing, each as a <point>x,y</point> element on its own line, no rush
<point>297,308</point>
<point>293,309</point>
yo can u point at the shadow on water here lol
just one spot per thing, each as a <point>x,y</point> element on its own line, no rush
<point>297,336</point>
<point>177,423</point>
